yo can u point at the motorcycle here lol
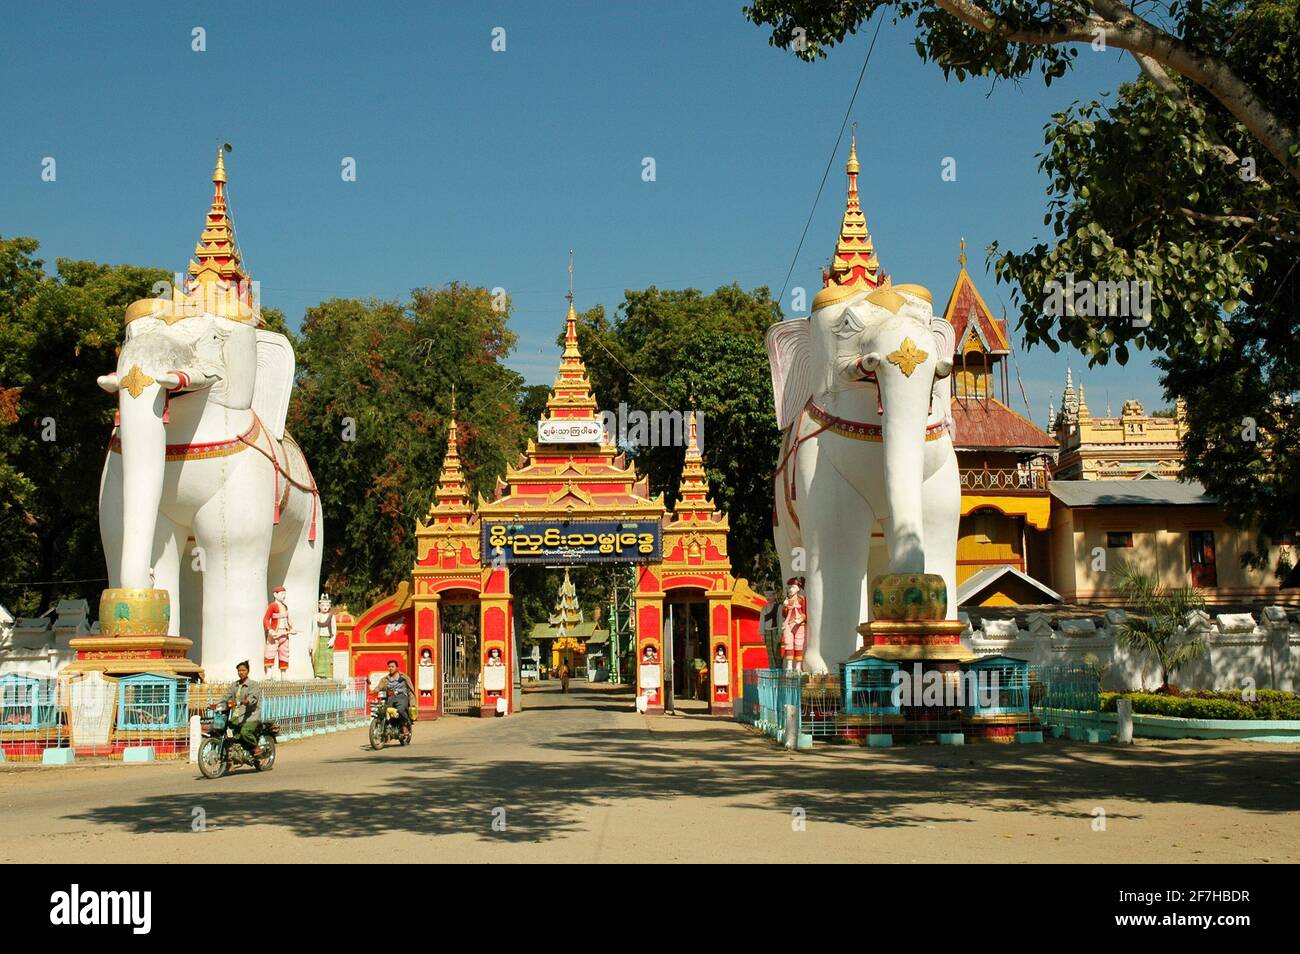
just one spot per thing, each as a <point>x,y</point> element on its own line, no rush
<point>386,723</point>
<point>222,748</point>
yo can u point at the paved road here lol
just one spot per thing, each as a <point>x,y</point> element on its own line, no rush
<point>582,777</point>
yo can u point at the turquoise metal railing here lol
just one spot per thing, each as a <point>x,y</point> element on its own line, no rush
<point>764,697</point>
<point>303,709</point>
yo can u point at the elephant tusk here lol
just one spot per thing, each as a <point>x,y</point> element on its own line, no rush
<point>172,380</point>
<point>108,382</point>
<point>942,368</point>
<point>871,361</point>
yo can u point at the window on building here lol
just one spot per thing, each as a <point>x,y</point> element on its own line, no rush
<point>1119,539</point>
<point>1201,545</point>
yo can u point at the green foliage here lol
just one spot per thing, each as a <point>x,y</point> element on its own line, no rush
<point>1268,704</point>
<point>382,372</point>
<point>1168,190</point>
<point>57,333</point>
<point>668,349</point>
<point>1156,627</point>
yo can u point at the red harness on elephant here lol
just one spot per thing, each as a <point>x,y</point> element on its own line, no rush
<point>856,430</point>
<point>281,472</point>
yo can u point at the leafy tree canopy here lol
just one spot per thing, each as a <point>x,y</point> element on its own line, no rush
<point>371,411</point>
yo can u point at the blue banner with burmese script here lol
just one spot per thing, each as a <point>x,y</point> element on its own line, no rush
<point>573,541</point>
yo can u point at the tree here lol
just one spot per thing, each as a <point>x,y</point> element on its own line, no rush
<point>371,410</point>
<point>57,333</point>
<point>1181,191</point>
<point>667,350</point>
<point>1159,627</point>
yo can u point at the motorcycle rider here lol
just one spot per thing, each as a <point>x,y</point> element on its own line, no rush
<point>245,705</point>
<point>400,693</point>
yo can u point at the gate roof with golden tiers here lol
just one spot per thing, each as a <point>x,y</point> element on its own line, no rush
<point>590,481</point>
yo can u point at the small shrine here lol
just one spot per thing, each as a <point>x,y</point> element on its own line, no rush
<point>566,638</point>
<point>573,498</point>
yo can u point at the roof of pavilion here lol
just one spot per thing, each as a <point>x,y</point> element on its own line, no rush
<point>991,424</point>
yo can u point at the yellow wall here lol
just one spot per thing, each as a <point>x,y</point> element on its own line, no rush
<point>1160,546</point>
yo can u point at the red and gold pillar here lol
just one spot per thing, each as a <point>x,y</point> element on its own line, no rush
<point>496,642</point>
<point>722,668</point>
<point>649,601</point>
<point>427,672</point>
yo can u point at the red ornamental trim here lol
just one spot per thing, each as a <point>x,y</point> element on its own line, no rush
<point>858,430</point>
<point>202,451</point>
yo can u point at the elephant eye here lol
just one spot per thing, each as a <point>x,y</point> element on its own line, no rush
<point>848,325</point>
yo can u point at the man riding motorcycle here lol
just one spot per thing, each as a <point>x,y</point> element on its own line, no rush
<point>400,693</point>
<point>245,705</point>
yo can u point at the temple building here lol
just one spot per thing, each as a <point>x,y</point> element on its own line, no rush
<point>566,638</point>
<point>1134,445</point>
<point>1003,550</point>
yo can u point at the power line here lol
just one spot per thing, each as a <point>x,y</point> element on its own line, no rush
<point>830,161</point>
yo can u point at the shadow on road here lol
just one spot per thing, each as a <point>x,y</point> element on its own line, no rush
<point>549,794</point>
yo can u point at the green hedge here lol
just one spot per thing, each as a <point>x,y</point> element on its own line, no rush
<point>1269,704</point>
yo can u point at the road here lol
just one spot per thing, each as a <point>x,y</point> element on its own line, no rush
<point>584,778</point>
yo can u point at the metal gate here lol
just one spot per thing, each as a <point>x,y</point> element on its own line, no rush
<point>460,679</point>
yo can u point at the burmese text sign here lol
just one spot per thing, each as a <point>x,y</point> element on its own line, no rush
<point>573,541</point>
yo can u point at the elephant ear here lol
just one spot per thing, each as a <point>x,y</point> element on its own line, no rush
<point>789,352</point>
<point>275,370</point>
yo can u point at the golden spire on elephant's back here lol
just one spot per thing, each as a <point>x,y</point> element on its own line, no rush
<point>217,283</point>
<point>219,266</point>
<point>854,267</point>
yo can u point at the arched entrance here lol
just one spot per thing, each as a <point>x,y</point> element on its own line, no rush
<point>573,499</point>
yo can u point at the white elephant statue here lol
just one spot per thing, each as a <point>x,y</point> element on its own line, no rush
<point>862,394</point>
<point>200,452</point>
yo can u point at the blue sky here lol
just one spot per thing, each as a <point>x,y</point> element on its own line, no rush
<point>486,167</point>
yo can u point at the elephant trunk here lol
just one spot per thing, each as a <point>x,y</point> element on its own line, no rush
<point>141,403</point>
<point>906,399</point>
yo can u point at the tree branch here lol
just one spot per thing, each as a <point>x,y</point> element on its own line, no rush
<point>1119,27</point>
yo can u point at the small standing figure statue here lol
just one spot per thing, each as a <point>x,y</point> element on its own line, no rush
<point>322,657</point>
<point>794,628</point>
<point>278,629</point>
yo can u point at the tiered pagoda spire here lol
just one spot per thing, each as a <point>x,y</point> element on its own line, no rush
<point>451,500</point>
<point>571,394</point>
<point>568,613</point>
<point>216,273</point>
<point>854,266</point>
<point>694,488</point>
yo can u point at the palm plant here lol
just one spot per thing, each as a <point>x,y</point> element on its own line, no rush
<point>1159,619</point>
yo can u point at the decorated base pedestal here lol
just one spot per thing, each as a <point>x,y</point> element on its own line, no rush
<point>133,638</point>
<point>948,694</point>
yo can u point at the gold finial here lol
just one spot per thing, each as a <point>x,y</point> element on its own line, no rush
<point>219,174</point>
<point>453,400</point>
<point>852,166</point>
<point>570,295</point>
<point>962,257</point>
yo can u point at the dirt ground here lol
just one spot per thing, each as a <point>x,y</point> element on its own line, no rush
<point>582,777</point>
